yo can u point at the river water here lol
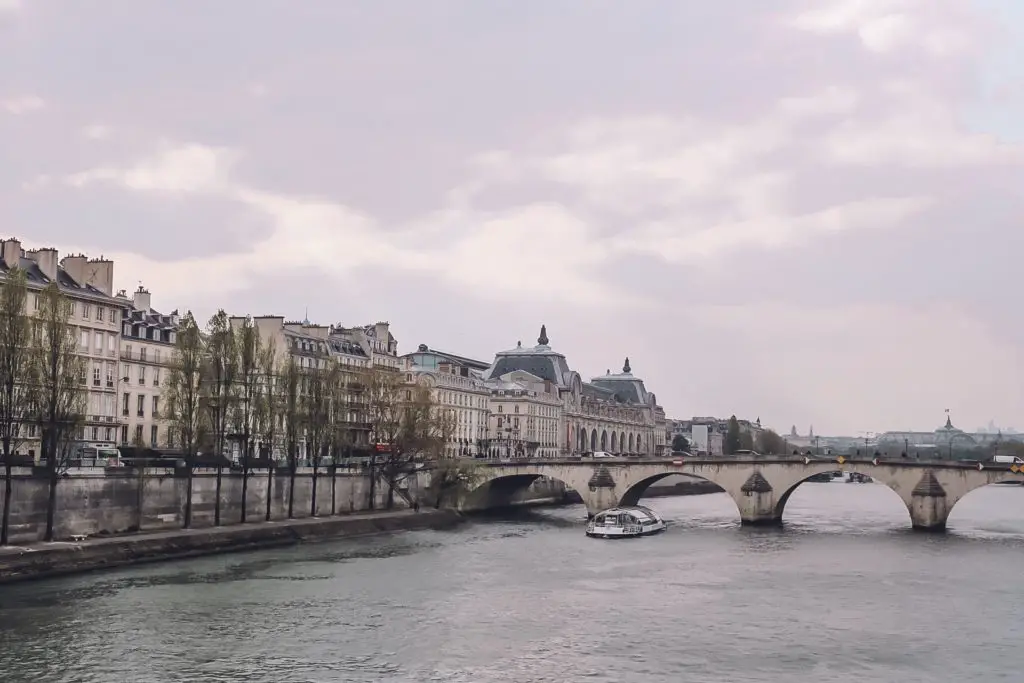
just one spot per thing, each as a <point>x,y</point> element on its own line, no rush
<point>846,592</point>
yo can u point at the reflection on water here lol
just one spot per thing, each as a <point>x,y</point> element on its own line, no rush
<point>845,592</point>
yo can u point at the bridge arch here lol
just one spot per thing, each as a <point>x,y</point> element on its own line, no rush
<point>953,500</point>
<point>633,494</point>
<point>615,443</point>
<point>506,491</point>
<point>894,487</point>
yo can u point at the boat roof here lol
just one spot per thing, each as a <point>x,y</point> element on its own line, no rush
<point>638,511</point>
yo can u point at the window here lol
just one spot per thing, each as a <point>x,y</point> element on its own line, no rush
<point>108,433</point>
<point>127,350</point>
<point>156,377</point>
<point>152,436</point>
<point>138,433</point>
<point>85,311</point>
<point>142,374</point>
<point>95,433</point>
<point>110,375</point>
<point>124,403</point>
<point>96,374</point>
<point>156,406</point>
<point>142,354</point>
<point>84,343</point>
<point>112,318</point>
<point>156,355</point>
<point>99,313</point>
<point>142,405</point>
<point>98,342</point>
<point>111,343</point>
<point>124,432</point>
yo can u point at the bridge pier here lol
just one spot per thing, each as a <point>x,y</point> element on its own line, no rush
<point>929,505</point>
<point>756,501</point>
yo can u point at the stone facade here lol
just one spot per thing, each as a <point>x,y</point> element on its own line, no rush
<point>613,413</point>
<point>147,346</point>
<point>96,315</point>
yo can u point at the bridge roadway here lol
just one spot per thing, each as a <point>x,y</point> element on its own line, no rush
<point>760,485</point>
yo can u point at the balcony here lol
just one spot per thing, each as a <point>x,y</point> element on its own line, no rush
<point>137,356</point>
<point>141,413</point>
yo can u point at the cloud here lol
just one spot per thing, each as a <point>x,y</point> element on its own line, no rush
<point>96,131</point>
<point>886,26</point>
<point>769,232</point>
<point>189,168</point>
<point>10,5</point>
<point>334,239</point>
<point>23,104</point>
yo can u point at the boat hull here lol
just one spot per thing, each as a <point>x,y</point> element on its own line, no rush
<point>611,533</point>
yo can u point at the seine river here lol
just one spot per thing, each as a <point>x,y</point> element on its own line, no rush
<point>846,592</point>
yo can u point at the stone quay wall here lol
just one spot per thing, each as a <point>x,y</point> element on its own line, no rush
<point>95,501</point>
<point>99,502</point>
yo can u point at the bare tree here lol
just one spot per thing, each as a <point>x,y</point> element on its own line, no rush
<point>184,399</point>
<point>317,418</point>
<point>269,415</point>
<point>247,399</point>
<point>339,435</point>
<point>451,477</point>
<point>219,389</point>
<point>56,380</point>
<point>14,358</point>
<point>291,414</point>
<point>407,423</point>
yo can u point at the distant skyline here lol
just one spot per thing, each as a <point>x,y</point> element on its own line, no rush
<point>803,210</point>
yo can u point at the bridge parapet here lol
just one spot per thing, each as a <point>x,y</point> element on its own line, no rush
<point>760,485</point>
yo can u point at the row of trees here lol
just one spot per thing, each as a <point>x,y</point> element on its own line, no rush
<point>42,384</point>
<point>230,391</point>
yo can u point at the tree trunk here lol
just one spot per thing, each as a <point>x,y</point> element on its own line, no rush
<point>291,492</point>
<point>188,496</point>
<point>245,487</point>
<point>270,487</point>
<point>51,502</point>
<point>312,503</point>
<point>334,490</point>
<point>8,487</point>
<point>373,482</point>
<point>391,493</point>
<point>140,481</point>
<point>216,503</point>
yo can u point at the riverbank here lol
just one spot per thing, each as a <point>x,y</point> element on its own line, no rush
<point>42,560</point>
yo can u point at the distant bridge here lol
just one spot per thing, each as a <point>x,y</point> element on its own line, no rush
<point>760,485</point>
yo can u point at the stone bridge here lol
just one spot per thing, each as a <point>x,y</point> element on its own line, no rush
<point>760,485</point>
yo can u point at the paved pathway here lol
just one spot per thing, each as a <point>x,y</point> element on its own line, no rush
<point>226,530</point>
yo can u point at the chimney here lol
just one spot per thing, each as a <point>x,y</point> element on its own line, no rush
<point>141,299</point>
<point>45,260</point>
<point>100,273</point>
<point>12,253</point>
<point>75,267</point>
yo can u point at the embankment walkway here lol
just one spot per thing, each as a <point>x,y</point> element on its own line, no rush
<point>40,560</point>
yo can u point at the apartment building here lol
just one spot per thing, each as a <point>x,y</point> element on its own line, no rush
<point>456,387</point>
<point>147,346</point>
<point>96,315</point>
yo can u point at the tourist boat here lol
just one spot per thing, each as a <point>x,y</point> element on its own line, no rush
<point>625,522</point>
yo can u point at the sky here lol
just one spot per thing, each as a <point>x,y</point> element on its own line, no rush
<point>807,211</point>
